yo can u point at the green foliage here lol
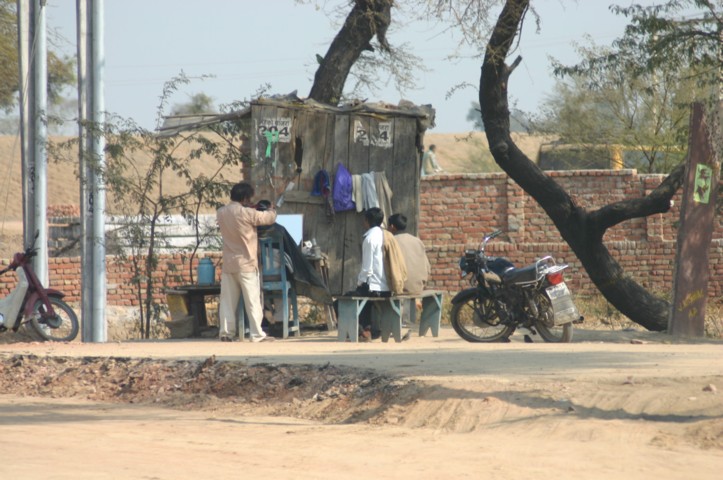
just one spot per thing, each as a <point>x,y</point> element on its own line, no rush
<point>61,71</point>
<point>137,162</point>
<point>636,95</point>
<point>197,104</point>
<point>669,36</point>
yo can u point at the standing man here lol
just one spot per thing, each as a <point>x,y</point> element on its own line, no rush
<point>240,269</point>
<point>429,162</point>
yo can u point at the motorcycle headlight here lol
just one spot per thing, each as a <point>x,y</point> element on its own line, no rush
<point>468,263</point>
<point>463,265</point>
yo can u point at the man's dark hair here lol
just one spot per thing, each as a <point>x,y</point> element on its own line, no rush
<point>374,216</point>
<point>241,192</point>
<point>432,147</point>
<point>399,222</point>
<point>263,205</point>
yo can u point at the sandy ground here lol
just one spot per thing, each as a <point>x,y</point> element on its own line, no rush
<point>632,405</point>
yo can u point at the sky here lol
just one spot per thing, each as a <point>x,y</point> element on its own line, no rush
<point>245,44</point>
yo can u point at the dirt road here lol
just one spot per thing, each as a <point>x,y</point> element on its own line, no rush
<point>612,404</point>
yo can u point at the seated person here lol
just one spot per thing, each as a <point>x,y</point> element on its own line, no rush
<point>415,255</point>
<point>372,280</point>
<point>306,280</point>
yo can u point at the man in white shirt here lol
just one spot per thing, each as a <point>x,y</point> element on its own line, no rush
<point>372,268</point>
<point>372,280</point>
<point>429,162</point>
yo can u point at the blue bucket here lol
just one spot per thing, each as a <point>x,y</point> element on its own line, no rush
<point>206,272</point>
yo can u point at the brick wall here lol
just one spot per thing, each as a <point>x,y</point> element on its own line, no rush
<point>64,273</point>
<point>457,210</point>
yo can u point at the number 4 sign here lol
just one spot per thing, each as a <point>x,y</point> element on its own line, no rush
<point>382,138</point>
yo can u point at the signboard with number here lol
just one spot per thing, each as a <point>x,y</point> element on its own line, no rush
<point>383,138</point>
<point>380,138</point>
<point>361,134</point>
<point>279,128</point>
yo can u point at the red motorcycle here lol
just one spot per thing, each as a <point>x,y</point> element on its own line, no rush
<point>31,304</point>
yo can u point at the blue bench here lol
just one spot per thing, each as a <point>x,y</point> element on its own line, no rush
<point>387,312</point>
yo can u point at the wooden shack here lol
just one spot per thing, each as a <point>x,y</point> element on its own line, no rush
<point>292,139</point>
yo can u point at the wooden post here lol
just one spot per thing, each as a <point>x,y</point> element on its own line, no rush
<point>690,283</point>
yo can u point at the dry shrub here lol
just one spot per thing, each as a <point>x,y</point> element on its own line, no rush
<point>714,319</point>
<point>599,313</point>
<point>123,323</point>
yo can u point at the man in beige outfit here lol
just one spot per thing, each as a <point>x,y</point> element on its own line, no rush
<point>415,256</point>
<point>240,267</point>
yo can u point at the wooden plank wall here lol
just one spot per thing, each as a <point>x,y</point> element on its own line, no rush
<point>362,144</point>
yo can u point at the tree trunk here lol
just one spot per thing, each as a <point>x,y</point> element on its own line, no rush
<point>582,230</point>
<point>366,19</point>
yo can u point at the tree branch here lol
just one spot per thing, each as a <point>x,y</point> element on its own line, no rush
<point>657,201</point>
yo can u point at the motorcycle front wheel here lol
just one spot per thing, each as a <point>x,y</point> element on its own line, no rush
<point>63,327</point>
<point>545,322</point>
<point>476,320</point>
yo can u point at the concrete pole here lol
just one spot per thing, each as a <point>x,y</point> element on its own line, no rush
<point>32,48</point>
<point>86,254</point>
<point>97,98</point>
<point>25,47</point>
<point>91,63</point>
<point>40,154</point>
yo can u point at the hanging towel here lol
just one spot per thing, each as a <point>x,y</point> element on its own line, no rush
<point>357,192</point>
<point>369,198</point>
<point>384,194</point>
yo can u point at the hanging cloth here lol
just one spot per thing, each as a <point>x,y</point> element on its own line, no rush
<point>357,192</point>
<point>369,191</point>
<point>384,194</point>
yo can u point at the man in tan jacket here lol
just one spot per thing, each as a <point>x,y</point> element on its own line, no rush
<point>240,268</point>
<point>415,255</point>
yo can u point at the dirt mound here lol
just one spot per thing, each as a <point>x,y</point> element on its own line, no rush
<point>342,395</point>
<point>318,392</point>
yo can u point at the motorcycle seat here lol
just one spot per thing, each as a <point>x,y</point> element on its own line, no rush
<point>526,274</point>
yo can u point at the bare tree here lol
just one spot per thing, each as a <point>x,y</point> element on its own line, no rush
<point>368,18</point>
<point>357,63</point>
<point>583,230</point>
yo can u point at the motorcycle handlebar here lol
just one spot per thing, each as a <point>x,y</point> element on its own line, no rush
<point>489,237</point>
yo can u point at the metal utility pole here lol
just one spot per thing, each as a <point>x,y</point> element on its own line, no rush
<point>91,112</point>
<point>32,47</point>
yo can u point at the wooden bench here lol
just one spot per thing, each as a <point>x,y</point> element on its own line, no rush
<point>387,311</point>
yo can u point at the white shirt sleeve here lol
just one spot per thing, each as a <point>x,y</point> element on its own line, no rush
<point>372,268</point>
<point>367,266</point>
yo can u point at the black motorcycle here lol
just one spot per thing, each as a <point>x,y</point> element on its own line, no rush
<point>503,299</point>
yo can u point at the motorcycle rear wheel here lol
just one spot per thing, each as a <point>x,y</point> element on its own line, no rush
<point>545,323</point>
<point>476,320</point>
<point>63,327</point>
